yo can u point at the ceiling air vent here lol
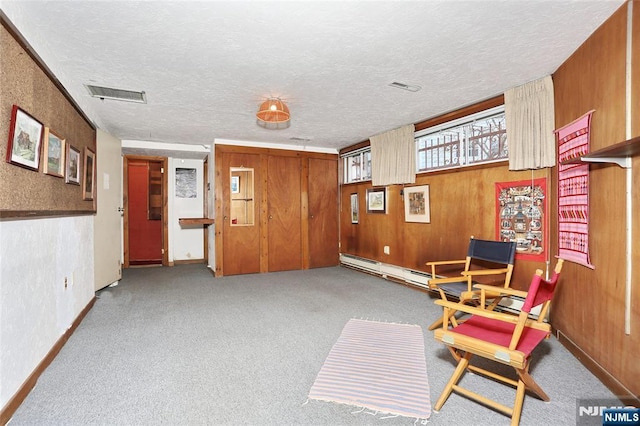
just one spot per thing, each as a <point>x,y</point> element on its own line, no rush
<point>403,86</point>
<point>116,94</point>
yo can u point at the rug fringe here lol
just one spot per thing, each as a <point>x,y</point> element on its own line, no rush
<point>384,321</point>
<point>381,415</point>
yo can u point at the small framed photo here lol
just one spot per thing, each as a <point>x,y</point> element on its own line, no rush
<point>354,208</point>
<point>54,154</point>
<point>377,200</point>
<point>416,204</point>
<point>235,184</point>
<point>25,138</point>
<point>89,167</point>
<point>72,174</point>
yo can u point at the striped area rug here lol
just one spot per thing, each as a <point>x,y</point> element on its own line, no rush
<point>377,365</point>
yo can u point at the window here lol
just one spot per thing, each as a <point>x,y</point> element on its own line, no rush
<point>475,139</point>
<point>357,165</point>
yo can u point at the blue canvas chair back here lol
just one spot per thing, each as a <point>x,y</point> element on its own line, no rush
<point>492,251</point>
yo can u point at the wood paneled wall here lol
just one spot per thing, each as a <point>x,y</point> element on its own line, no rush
<point>295,212</point>
<point>462,204</point>
<point>589,307</point>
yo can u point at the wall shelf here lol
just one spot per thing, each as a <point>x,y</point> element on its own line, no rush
<point>619,154</point>
<point>188,221</point>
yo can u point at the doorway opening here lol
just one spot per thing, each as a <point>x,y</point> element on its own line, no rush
<point>145,211</point>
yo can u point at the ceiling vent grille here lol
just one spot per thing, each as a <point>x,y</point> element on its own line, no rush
<point>403,86</point>
<point>116,94</point>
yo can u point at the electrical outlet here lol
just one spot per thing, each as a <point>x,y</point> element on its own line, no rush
<point>386,250</point>
<point>65,282</point>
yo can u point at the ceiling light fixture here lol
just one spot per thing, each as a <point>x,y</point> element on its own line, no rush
<point>273,114</point>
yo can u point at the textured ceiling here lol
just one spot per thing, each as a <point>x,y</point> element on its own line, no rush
<point>206,65</point>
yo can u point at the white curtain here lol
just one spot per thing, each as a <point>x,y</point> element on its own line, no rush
<point>393,157</point>
<point>530,116</point>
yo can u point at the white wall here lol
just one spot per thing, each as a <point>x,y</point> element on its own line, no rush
<point>185,243</point>
<point>35,307</point>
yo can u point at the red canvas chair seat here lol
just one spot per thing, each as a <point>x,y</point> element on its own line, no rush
<point>499,337</point>
<point>500,333</point>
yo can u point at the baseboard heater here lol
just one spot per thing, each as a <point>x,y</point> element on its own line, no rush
<point>386,270</point>
<point>419,279</point>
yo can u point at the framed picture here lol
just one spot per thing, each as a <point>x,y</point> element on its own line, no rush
<point>354,208</point>
<point>89,167</point>
<point>416,204</point>
<point>72,174</point>
<point>25,138</point>
<point>376,200</point>
<point>235,184</point>
<point>54,151</point>
<point>521,216</point>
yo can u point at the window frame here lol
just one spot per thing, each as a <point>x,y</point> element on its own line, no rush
<point>463,145</point>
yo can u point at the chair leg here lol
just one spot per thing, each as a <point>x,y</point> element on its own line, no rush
<point>517,406</point>
<point>455,377</point>
<point>436,324</point>
<point>531,384</point>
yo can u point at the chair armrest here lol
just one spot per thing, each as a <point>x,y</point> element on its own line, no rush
<point>446,262</point>
<point>472,310</point>
<point>486,272</point>
<point>501,290</point>
<point>499,316</point>
<point>433,283</point>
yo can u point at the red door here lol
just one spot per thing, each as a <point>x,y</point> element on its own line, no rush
<point>145,223</point>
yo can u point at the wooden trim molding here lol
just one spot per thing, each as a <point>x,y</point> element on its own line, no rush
<point>188,261</point>
<point>10,408</point>
<point>38,214</point>
<point>623,394</point>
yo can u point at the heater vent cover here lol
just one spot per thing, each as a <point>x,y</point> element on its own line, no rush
<point>116,94</point>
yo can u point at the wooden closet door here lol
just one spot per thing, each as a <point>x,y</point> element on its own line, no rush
<point>323,212</point>
<point>284,214</point>
<point>241,243</point>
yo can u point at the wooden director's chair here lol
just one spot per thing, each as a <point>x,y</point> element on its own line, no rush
<point>489,261</point>
<point>501,337</point>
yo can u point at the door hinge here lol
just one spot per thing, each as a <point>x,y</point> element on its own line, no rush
<point>161,169</point>
<point>162,251</point>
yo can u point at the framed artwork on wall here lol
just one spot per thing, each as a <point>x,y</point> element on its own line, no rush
<point>25,138</point>
<point>354,208</point>
<point>416,204</point>
<point>72,174</point>
<point>376,200</point>
<point>88,187</point>
<point>54,154</point>
<point>521,216</point>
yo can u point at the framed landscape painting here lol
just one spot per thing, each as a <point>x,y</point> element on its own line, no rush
<point>354,208</point>
<point>88,187</point>
<point>25,138</point>
<point>72,174</point>
<point>54,153</point>
<point>376,200</point>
